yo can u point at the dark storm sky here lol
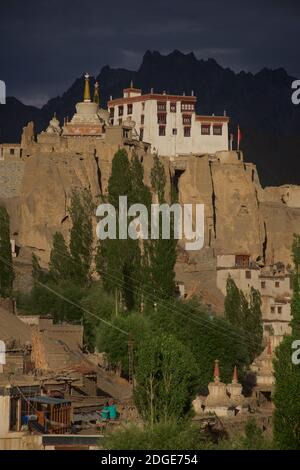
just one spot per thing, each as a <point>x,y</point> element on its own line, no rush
<point>45,45</point>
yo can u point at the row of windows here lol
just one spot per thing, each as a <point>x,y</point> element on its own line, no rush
<point>273,309</point>
<point>186,131</point>
<point>187,121</point>
<point>216,129</point>
<point>161,107</point>
<point>121,110</point>
<point>263,284</point>
<point>162,119</point>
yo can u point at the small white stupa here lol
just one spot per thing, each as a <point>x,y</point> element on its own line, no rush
<point>86,121</point>
<point>234,391</point>
<point>217,400</point>
<point>54,126</point>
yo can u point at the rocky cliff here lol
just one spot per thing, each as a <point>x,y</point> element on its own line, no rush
<point>240,216</point>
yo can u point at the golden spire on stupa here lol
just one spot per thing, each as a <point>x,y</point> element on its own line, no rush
<point>87,93</point>
<point>96,94</point>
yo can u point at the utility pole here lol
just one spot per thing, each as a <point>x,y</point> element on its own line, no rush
<point>130,360</point>
<point>116,302</point>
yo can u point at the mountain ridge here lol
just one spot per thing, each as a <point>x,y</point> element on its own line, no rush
<point>260,103</point>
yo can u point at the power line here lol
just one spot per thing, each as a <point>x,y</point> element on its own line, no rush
<point>167,305</point>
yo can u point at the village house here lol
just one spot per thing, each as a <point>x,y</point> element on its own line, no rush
<point>273,283</point>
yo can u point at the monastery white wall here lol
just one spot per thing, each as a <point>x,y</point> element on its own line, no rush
<point>276,314</point>
<point>173,144</point>
<point>4,415</point>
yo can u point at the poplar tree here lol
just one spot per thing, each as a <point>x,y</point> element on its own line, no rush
<point>253,324</point>
<point>60,260</point>
<point>37,272</point>
<point>245,315</point>
<point>161,253</point>
<point>119,261</point>
<point>287,372</point>
<point>6,262</point>
<point>81,239</point>
<point>234,312</point>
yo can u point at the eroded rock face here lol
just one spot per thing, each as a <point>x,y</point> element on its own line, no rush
<point>237,212</point>
<point>45,196</point>
<point>240,216</point>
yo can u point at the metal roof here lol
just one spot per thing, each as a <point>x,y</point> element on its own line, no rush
<point>49,400</point>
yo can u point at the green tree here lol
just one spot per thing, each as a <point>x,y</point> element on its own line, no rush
<point>234,305</point>
<point>165,375</point>
<point>60,266</point>
<point>245,315</point>
<point>253,324</point>
<point>6,262</point>
<point>207,336</point>
<point>287,373</point>
<point>101,304</point>
<point>161,436</point>
<point>81,240</point>
<point>253,438</point>
<point>158,179</point>
<point>113,340</point>
<point>119,183</point>
<point>139,192</point>
<point>160,254</point>
<point>119,261</point>
<point>295,306</point>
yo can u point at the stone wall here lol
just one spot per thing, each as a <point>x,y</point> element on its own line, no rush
<point>11,175</point>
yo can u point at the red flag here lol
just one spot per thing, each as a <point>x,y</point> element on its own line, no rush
<point>239,138</point>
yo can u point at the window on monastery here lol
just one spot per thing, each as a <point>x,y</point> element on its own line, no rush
<point>263,284</point>
<point>121,110</point>
<point>187,132</point>
<point>205,129</point>
<point>187,119</point>
<point>161,106</point>
<point>248,274</point>
<point>120,122</point>
<point>242,261</point>
<point>187,106</point>
<point>217,129</point>
<point>142,119</point>
<point>125,133</point>
<point>162,130</point>
<point>129,108</point>
<point>279,310</point>
<point>143,105</point>
<point>277,284</point>
<point>272,309</point>
<point>11,151</point>
<point>173,107</point>
<point>162,119</point>
<point>141,134</point>
<point>174,131</point>
<point>112,112</point>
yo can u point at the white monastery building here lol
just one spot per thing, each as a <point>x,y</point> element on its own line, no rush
<point>169,122</point>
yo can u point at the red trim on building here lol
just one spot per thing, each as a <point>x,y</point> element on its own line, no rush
<point>134,90</point>
<point>152,96</point>
<point>209,119</point>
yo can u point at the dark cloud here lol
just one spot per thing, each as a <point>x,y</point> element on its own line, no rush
<point>45,45</point>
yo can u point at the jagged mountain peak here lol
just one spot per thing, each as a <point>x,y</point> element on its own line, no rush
<point>259,102</point>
